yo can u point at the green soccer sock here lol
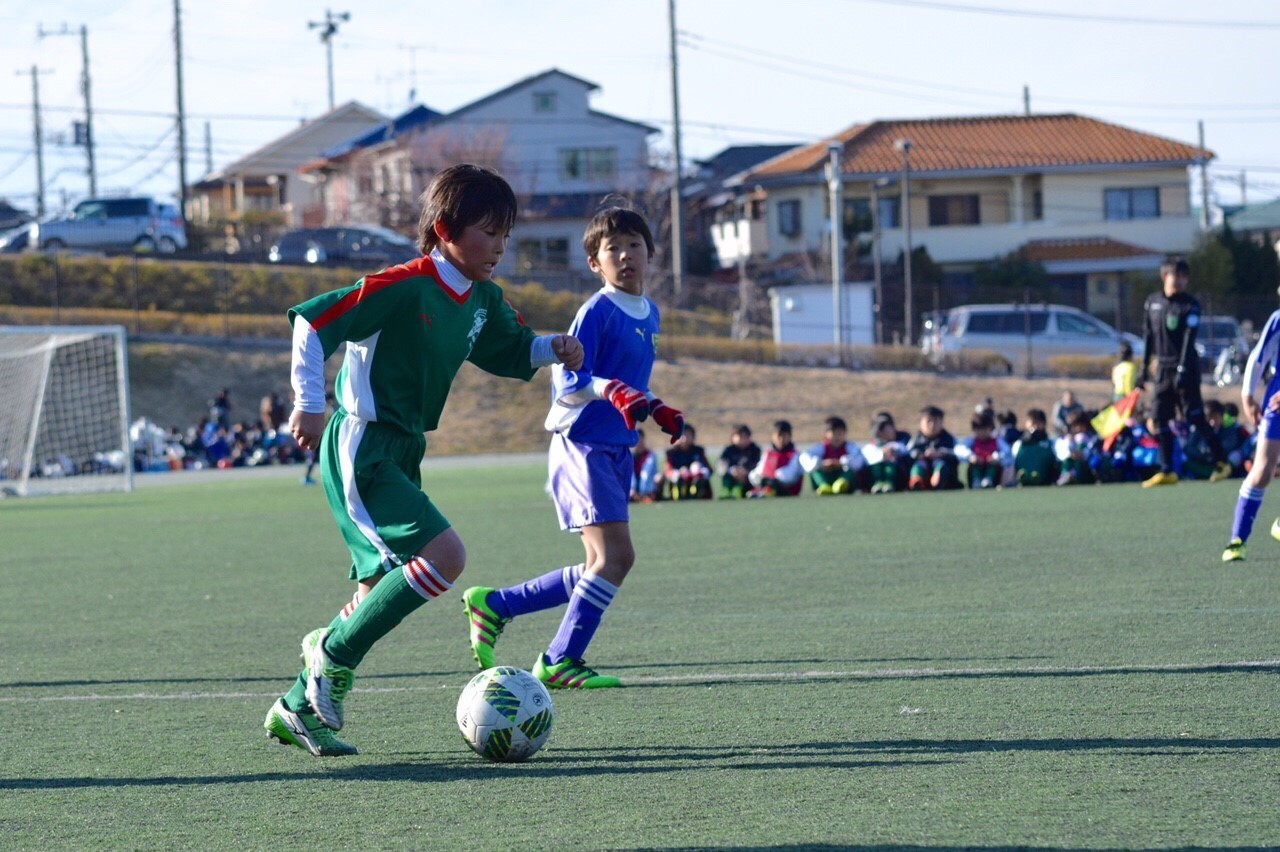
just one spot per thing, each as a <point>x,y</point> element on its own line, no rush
<point>397,594</point>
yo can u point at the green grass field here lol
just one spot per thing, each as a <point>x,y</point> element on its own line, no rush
<point>1043,668</point>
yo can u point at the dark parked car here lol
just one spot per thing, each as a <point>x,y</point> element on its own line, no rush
<point>361,246</point>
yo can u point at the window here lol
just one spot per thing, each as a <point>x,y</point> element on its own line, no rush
<point>889,212</point>
<point>1037,205</point>
<point>789,218</point>
<point>1006,322</point>
<point>539,253</point>
<point>953,210</point>
<point>588,163</point>
<point>1070,324</point>
<point>1138,202</point>
<point>544,101</point>
<point>855,217</point>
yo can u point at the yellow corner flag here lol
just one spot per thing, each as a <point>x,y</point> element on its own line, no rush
<point>1112,419</point>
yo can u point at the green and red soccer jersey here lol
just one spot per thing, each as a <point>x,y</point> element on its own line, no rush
<point>407,334</point>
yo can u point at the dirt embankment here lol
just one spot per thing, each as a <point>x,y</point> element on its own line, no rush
<point>173,384</point>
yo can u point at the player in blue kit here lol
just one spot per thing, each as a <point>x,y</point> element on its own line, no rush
<point>594,411</point>
<point>1266,418</point>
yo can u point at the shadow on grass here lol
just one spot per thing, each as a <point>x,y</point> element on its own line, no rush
<point>585,762</point>
<point>282,678</point>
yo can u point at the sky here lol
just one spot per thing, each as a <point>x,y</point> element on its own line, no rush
<point>749,72</point>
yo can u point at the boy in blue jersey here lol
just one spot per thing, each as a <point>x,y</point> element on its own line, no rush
<point>1266,418</point>
<point>594,411</point>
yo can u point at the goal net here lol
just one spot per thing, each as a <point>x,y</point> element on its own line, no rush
<point>64,410</point>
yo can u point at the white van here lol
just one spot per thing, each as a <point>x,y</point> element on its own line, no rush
<point>1024,335</point>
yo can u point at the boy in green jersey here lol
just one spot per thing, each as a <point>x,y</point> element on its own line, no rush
<point>407,330</point>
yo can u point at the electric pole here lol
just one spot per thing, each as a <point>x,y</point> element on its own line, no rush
<point>208,148</point>
<point>39,137</point>
<point>41,32</point>
<point>677,190</point>
<point>1204,181</point>
<point>836,188</point>
<point>182,113</point>
<point>904,145</point>
<point>1026,100</point>
<point>328,29</point>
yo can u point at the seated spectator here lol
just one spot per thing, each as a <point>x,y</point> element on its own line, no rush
<point>986,455</point>
<point>687,471</point>
<point>1007,428</point>
<point>1079,452</point>
<point>737,461</point>
<point>1237,442</point>
<point>1034,460</point>
<point>1062,411</point>
<point>883,455</point>
<point>779,473</point>
<point>933,454</point>
<point>832,464</point>
<point>645,481</point>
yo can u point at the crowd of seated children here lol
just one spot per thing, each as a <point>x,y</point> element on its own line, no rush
<point>987,456</point>
<point>833,465</point>
<point>779,473</point>
<point>933,454</point>
<point>687,472</point>
<point>885,455</point>
<point>645,479</point>
<point>737,461</point>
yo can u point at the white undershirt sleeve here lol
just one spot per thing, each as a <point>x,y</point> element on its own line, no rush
<point>306,373</point>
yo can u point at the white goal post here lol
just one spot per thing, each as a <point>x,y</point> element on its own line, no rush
<point>64,410</point>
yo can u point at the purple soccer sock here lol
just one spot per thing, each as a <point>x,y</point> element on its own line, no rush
<point>550,590</point>
<point>1246,511</point>
<point>591,597</point>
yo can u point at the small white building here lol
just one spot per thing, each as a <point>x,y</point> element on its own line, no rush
<point>802,314</point>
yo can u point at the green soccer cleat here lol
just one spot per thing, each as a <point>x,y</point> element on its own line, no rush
<point>1234,551</point>
<point>304,731</point>
<point>1275,529</point>
<point>1221,471</point>
<point>327,682</point>
<point>485,625</point>
<point>571,674</point>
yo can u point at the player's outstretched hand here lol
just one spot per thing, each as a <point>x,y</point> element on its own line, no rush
<point>669,420</point>
<point>568,349</point>
<point>306,428</point>
<point>630,402</point>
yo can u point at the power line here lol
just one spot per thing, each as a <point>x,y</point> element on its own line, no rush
<point>1202,23</point>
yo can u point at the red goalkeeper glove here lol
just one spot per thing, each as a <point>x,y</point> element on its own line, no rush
<point>669,420</point>
<point>631,403</point>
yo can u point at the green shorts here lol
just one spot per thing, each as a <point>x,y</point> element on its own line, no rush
<point>373,480</point>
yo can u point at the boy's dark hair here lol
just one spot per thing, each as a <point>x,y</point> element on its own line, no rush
<point>1231,408</point>
<point>1213,406</point>
<point>1126,352</point>
<point>1008,419</point>
<point>833,423</point>
<point>982,421</point>
<point>742,429</point>
<point>933,411</point>
<point>689,430</point>
<point>881,420</point>
<point>782,426</point>
<point>615,220</point>
<point>1176,265</point>
<point>1037,416</point>
<point>461,196</point>
<point>1079,418</point>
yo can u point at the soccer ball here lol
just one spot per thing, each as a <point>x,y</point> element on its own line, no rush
<point>505,714</point>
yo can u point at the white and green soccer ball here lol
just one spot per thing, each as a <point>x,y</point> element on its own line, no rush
<point>505,714</point>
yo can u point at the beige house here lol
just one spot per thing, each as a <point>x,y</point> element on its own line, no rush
<point>1088,199</point>
<point>265,183</point>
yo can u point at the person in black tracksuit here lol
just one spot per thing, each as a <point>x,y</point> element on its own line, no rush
<point>1170,319</point>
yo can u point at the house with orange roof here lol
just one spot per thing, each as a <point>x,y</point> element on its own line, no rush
<point>1088,199</point>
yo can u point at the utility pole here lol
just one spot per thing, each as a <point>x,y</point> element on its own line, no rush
<point>328,29</point>
<point>1244,189</point>
<point>677,190</point>
<point>41,32</point>
<point>1026,100</point>
<point>836,188</point>
<point>1204,181</point>
<point>182,113</point>
<point>904,145</point>
<point>743,233</point>
<point>876,186</point>
<point>39,137</point>
<point>208,148</point>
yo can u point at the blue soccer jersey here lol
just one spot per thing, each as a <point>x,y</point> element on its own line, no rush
<point>619,335</point>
